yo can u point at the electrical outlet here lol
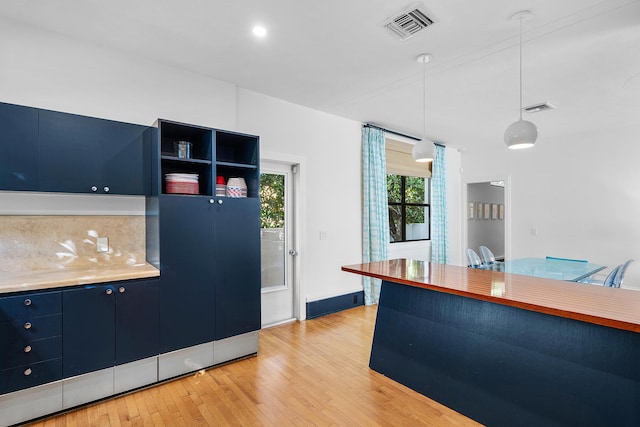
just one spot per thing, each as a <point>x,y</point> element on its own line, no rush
<point>102,244</point>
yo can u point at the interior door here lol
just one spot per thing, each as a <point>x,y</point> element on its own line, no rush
<point>276,242</point>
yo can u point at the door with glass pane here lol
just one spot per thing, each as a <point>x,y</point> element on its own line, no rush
<point>276,237</point>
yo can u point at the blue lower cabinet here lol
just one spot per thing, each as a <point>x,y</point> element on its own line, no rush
<point>88,329</point>
<point>187,293</point>
<point>31,375</point>
<point>30,339</point>
<point>237,267</point>
<point>137,321</point>
<point>106,325</point>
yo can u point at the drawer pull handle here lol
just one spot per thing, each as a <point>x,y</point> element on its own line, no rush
<point>106,189</point>
<point>27,372</point>
<point>94,188</point>
<point>27,325</point>
<point>121,290</point>
<point>109,291</point>
<point>27,349</point>
<point>27,302</point>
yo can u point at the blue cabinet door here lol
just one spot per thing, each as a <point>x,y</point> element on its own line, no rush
<point>81,154</point>
<point>187,295</point>
<point>137,328</point>
<point>88,329</point>
<point>236,258</point>
<point>69,152</point>
<point>18,148</point>
<point>125,159</point>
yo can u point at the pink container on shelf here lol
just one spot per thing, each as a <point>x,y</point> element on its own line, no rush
<point>182,183</point>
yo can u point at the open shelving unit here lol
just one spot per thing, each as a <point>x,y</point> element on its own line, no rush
<point>213,153</point>
<point>200,162</point>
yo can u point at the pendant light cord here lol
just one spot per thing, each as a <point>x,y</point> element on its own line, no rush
<point>424,98</point>
<point>520,68</point>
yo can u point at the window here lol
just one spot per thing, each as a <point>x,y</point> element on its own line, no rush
<point>409,210</point>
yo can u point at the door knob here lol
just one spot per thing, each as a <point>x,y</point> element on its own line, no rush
<point>106,189</point>
<point>94,188</point>
<point>109,291</point>
<point>121,290</point>
<point>293,252</point>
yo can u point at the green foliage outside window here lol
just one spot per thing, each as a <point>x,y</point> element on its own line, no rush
<point>408,204</point>
<point>271,200</point>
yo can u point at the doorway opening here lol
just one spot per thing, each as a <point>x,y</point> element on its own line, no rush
<point>487,216</point>
<point>277,240</point>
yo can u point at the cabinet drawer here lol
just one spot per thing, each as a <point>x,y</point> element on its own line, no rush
<point>22,353</point>
<point>29,376</point>
<point>26,306</point>
<point>32,329</point>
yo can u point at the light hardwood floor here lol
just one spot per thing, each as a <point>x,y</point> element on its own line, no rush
<point>310,373</point>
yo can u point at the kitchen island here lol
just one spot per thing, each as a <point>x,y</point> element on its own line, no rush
<point>507,349</point>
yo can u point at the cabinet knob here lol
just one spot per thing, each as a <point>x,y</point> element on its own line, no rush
<point>121,290</point>
<point>106,189</point>
<point>27,349</point>
<point>211,201</point>
<point>109,291</point>
<point>220,201</point>
<point>94,188</point>
<point>27,302</point>
<point>27,325</point>
<point>27,372</point>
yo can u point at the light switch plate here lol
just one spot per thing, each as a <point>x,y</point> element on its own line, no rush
<point>103,244</point>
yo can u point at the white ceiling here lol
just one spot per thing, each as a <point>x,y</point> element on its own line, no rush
<point>334,56</point>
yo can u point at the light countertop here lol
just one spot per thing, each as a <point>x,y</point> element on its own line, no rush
<point>30,280</point>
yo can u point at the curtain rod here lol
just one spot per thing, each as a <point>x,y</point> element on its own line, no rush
<point>369,125</point>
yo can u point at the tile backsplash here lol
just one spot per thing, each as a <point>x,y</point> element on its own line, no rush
<point>60,241</point>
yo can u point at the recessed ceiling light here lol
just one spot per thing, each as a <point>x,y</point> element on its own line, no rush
<point>259,31</point>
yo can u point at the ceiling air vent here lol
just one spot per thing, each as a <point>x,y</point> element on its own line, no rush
<point>408,23</point>
<point>539,107</point>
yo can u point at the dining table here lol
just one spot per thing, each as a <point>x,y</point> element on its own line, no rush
<point>547,268</point>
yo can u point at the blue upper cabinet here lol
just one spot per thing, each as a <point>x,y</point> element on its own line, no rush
<point>81,154</point>
<point>18,148</point>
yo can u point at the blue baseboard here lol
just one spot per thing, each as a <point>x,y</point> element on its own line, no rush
<point>334,304</point>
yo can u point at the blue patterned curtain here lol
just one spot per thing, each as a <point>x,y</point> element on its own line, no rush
<point>375,210</point>
<point>439,238</point>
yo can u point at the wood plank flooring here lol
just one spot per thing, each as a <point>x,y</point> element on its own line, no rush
<point>310,373</point>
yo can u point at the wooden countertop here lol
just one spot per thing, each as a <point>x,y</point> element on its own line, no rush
<point>612,307</point>
<point>19,281</point>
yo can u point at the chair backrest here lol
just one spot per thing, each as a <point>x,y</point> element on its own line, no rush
<point>487,256</point>
<point>566,259</point>
<point>474,258</point>
<point>610,281</point>
<point>621,271</point>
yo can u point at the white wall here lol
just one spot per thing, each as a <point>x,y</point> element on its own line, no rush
<point>46,70</point>
<point>330,147</point>
<point>578,192</point>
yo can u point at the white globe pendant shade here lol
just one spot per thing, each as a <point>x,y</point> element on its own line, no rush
<point>521,134</point>
<point>423,151</point>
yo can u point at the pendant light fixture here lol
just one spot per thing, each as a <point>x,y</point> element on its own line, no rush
<point>521,134</point>
<point>423,149</point>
